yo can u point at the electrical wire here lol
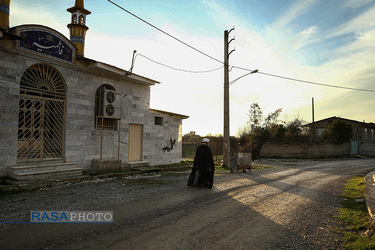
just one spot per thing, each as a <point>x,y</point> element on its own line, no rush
<point>213,58</point>
<point>299,80</point>
<point>164,32</point>
<point>315,83</point>
<point>184,70</point>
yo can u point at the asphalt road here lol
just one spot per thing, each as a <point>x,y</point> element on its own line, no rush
<point>291,206</point>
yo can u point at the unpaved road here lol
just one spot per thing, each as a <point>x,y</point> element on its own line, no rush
<point>291,206</point>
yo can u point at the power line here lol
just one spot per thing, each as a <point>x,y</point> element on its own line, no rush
<point>184,70</point>
<point>213,58</point>
<point>299,80</point>
<point>199,51</point>
<point>314,83</point>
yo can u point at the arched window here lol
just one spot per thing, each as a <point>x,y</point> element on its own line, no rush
<point>74,19</point>
<point>41,120</point>
<point>82,19</point>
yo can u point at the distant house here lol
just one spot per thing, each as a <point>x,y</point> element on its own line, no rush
<point>363,140</point>
<point>62,113</point>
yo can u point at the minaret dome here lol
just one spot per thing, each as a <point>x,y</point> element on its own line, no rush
<point>78,27</point>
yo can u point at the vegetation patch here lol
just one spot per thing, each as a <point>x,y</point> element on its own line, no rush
<point>221,167</point>
<point>355,218</point>
<point>261,166</point>
<point>176,172</point>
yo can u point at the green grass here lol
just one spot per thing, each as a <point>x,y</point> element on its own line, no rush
<point>355,217</point>
<point>181,164</point>
<point>176,172</point>
<point>221,167</point>
<point>261,166</point>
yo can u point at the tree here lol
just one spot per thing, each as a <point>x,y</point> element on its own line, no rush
<point>338,132</point>
<point>272,117</point>
<point>255,116</point>
<point>261,129</point>
<point>294,131</point>
<point>261,132</point>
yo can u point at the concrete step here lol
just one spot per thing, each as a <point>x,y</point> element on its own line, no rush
<point>146,169</point>
<point>136,164</point>
<point>40,162</point>
<point>48,174</point>
<point>42,167</point>
<point>44,171</point>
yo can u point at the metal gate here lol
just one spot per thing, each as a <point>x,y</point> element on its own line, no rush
<point>41,117</point>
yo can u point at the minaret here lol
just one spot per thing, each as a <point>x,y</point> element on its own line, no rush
<point>4,14</point>
<point>78,26</point>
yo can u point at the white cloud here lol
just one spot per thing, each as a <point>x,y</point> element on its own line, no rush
<point>355,4</point>
<point>295,11</point>
<point>277,50</point>
<point>361,23</point>
<point>19,15</point>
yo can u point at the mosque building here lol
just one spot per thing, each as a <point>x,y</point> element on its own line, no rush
<point>63,114</point>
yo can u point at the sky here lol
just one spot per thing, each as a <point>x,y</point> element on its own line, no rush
<point>330,42</point>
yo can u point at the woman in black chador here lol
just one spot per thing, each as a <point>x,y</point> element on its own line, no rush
<point>204,163</point>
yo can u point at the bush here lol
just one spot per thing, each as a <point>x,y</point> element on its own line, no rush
<point>338,132</point>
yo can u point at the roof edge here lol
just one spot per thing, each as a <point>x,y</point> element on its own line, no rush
<point>169,113</point>
<point>337,117</point>
<point>104,67</point>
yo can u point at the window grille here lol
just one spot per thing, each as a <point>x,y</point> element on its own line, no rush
<point>158,120</point>
<point>41,118</point>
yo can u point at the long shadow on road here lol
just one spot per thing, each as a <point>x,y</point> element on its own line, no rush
<point>237,213</point>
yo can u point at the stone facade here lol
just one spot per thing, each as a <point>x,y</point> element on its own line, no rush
<point>82,139</point>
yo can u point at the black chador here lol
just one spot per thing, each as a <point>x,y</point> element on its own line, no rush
<point>204,163</point>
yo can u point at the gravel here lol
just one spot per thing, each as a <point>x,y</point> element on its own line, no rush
<point>290,206</point>
<point>87,195</point>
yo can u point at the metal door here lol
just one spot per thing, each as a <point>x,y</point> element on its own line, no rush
<point>41,118</point>
<point>355,148</point>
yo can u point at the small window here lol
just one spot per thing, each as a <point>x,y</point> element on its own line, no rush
<point>159,120</point>
<point>366,136</point>
<point>106,123</point>
<point>372,134</point>
<point>74,18</point>
<point>82,19</point>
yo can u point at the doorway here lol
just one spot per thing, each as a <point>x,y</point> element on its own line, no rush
<point>135,142</point>
<point>41,115</point>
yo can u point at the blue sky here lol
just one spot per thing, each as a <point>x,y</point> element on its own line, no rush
<point>324,41</point>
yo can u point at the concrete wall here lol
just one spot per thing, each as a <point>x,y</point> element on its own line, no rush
<point>10,68</point>
<point>80,115</point>
<point>370,193</point>
<point>158,137</point>
<point>367,149</point>
<point>304,150</point>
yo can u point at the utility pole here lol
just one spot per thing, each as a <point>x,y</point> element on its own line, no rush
<point>313,121</point>
<point>226,142</point>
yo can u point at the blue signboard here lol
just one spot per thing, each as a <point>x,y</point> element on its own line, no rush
<point>45,42</point>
